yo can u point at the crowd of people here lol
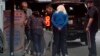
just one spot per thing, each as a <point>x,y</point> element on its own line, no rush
<point>57,22</point>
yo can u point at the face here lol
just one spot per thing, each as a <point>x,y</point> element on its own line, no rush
<point>14,7</point>
<point>49,9</point>
<point>24,5</point>
<point>89,5</point>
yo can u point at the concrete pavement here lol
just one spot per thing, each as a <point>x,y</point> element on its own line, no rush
<point>75,48</point>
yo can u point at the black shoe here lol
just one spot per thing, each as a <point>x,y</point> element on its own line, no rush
<point>1,49</point>
<point>92,55</point>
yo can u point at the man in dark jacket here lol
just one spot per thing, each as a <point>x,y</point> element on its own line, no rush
<point>92,27</point>
<point>49,12</point>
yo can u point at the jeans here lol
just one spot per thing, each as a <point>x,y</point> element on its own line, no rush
<point>37,39</point>
<point>59,41</point>
<point>92,49</point>
<point>28,34</point>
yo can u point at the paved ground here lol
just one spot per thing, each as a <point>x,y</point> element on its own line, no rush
<point>75,48</point>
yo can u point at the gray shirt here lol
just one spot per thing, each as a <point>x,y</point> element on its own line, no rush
<point>29,12</point>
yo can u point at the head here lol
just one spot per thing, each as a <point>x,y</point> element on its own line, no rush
<point>14,7</point>
<point>24,5</point>
<point>36,14</point>
<point>61,8</point>
<point>49,9</point>
<point>90,4</point>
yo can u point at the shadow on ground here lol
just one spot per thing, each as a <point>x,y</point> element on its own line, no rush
<point>74,44</point>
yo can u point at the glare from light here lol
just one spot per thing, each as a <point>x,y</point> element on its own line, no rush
<point>71,8</point>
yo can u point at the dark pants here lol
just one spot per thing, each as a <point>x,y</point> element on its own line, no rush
<point>28,34</point>
<point>29,38</point>
<point>37,39</point>
<point>48,27</point>
<point>59,41</point>
<point>92,48</point>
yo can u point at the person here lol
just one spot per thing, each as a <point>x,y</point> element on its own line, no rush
<point>28,14</point>
<point>48,25</point>
<point>37,32</point>
<point>48,15</point>
<point>92,27</point>
<point>60,22</point>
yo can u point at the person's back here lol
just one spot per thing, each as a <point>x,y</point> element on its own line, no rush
<point>37,23</point>
<point>37,32</point>
<point>59,19</point>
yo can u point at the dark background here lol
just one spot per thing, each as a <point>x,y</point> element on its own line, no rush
<point>96,2</point>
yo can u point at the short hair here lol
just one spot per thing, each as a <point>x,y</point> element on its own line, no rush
<point>90,1</point>
<point>36,13</point>
<point>49,5</point>
<point>24,2</point>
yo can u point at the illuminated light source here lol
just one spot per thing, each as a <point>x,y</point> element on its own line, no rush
<point>70,22</point>
<point>71,8</point>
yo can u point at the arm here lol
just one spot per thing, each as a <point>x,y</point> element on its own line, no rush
<point>43,21</point>
<point>91,18</point>
<point>89,22</point>
<point>53,20</point>
<point>65,21</point>
<point>30,12</point>
<point>29,22</point>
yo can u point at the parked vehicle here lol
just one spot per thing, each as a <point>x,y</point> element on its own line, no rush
<point>77,18</point>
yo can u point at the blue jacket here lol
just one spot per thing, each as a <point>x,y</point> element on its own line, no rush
<point>59,19</point>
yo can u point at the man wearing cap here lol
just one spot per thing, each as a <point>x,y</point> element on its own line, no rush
<point>92,27</point>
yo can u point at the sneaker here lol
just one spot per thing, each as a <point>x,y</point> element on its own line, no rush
<point>39,54</point>
<point>66,55</point>
<point>44,52</point>
<point>83,43</point>
<point>57,55</point>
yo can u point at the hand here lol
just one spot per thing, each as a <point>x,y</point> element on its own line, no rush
<point>87,29</point>
<point>59,28</point>
<point>25,22</point>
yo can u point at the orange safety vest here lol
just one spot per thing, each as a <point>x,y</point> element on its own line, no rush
<point>47,20</point>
